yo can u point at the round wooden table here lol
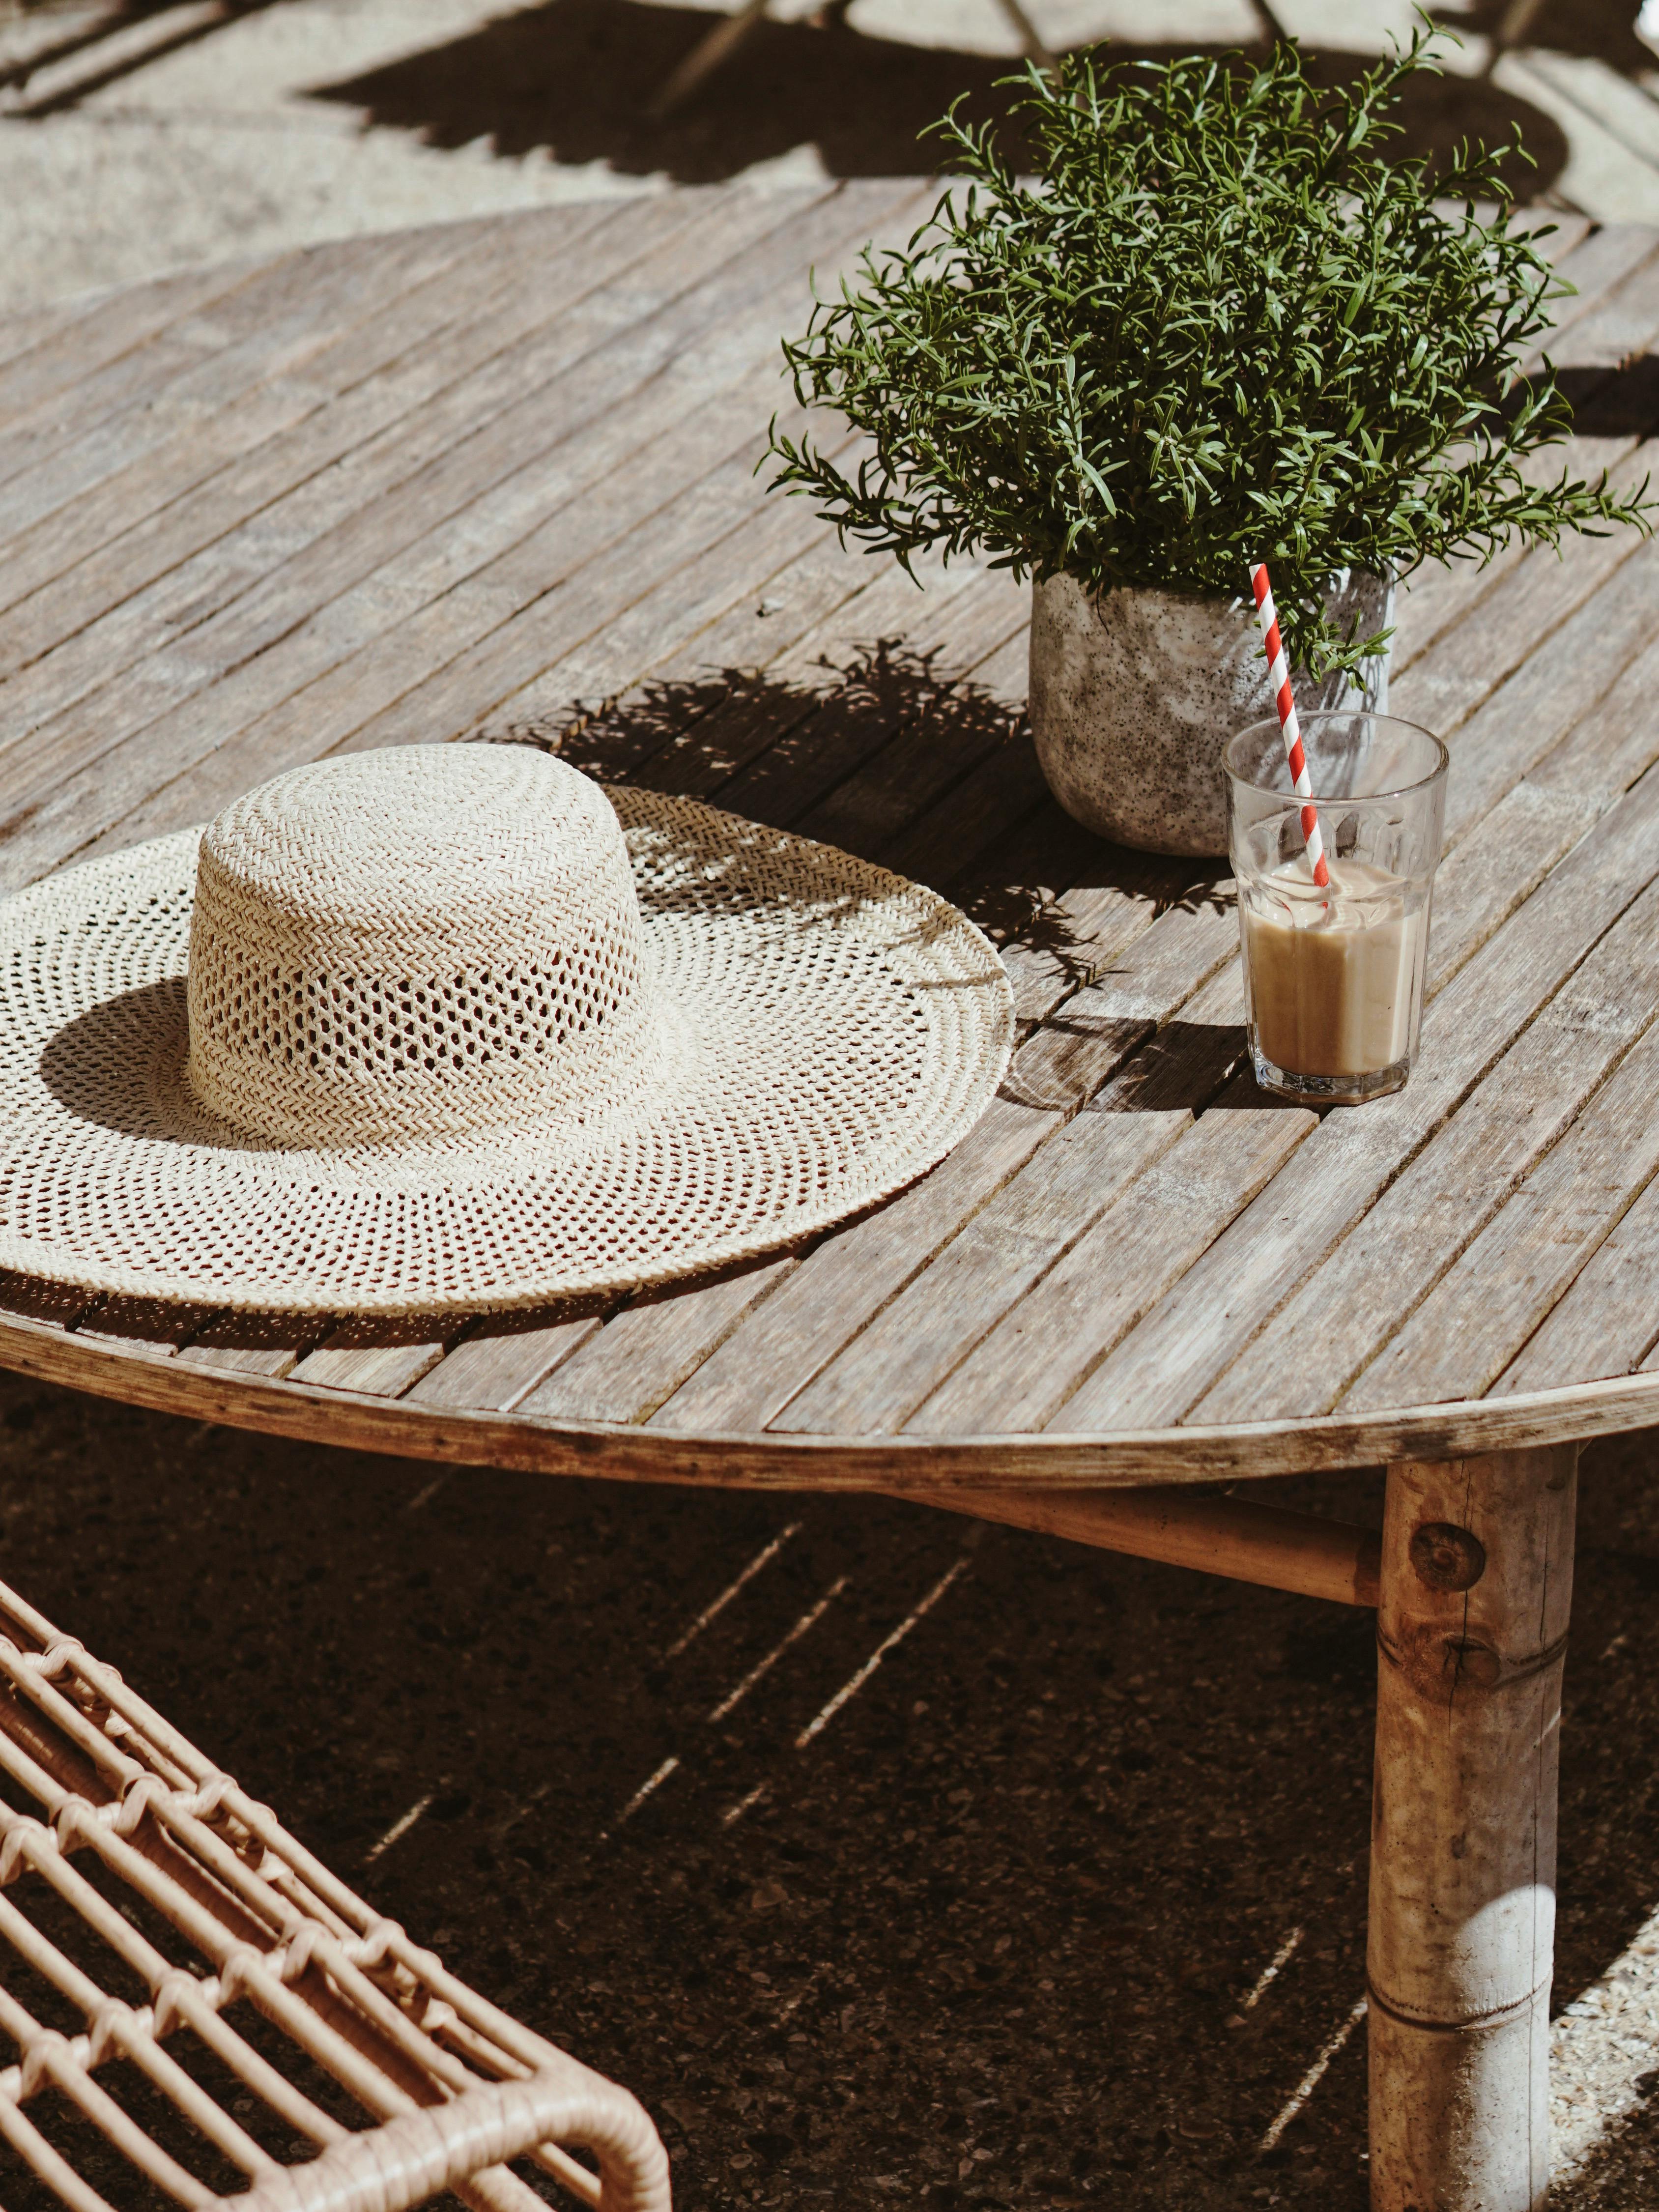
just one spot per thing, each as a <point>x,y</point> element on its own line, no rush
<point>495,480</point>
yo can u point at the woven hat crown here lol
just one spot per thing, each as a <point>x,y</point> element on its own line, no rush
<point>426,941</point>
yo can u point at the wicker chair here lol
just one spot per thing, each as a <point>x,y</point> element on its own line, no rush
<point>168,1934</point>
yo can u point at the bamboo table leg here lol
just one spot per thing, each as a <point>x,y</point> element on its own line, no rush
<point>1476,1588</point>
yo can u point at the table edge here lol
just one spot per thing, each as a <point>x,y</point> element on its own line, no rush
<point>163,1381</point>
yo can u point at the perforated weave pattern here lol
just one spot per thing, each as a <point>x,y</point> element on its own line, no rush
<point>423,941</point>
<point>819,1033</point>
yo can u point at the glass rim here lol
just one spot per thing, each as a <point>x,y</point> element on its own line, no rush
<point>1336,798</point>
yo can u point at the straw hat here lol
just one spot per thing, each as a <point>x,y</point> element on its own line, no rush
<point>450,1028</point>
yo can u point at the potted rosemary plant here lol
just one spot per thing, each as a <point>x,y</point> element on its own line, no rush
<point>1220,327</point>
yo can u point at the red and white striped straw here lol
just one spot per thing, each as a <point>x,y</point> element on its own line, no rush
<point>1279,675</point>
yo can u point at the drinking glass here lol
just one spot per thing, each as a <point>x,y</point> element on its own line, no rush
<point>1334,976</point>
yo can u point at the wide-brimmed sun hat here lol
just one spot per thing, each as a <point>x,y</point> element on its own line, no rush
<point>451,1028</point>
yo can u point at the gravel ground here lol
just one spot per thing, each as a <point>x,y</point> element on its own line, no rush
<point>155,133</point>
<point>990,1936</point>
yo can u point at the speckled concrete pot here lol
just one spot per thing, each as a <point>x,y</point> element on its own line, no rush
<point>1133,695</point>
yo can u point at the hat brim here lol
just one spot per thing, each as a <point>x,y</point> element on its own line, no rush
<point>827,1032</point>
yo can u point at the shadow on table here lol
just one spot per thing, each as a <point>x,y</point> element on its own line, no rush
<point>576,77</point>
<point>1620,403</point>
<point>890,757</point>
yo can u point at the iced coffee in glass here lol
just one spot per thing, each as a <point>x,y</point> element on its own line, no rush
<point>1334,972</point>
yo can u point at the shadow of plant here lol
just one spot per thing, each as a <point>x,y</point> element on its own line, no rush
<point>890,757</point>
<point>576,78</point>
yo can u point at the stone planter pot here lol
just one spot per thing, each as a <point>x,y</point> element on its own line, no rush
<point>1133,695</point>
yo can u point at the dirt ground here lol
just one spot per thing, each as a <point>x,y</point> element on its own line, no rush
<point>989,1938</point>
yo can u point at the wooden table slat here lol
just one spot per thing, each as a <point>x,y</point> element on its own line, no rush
<point>1608,1321</point>
<point>1014,1240</point>
<point>276,655</point>
<point>639,1360</point>
<point>382,1358</point>
<point>1622,323</point>
<point>495,480</point>
<point>1468,1329</point>
<point>1166,1364</point>
<point>115,325</point>
<point>1529,714</point>
<point>700,756</point>
<point>1022,1372</point>
<point>850,1278</point>
<point>281,495</point>
<point>1597,265</point>
<point>199,439</point>
<point>1529,611</point>
<point>1364,1291</point>
<point>502,1360</point>
<point>271,326</point>
<point>478,390</point>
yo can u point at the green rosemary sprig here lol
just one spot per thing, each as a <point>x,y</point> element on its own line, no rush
<point>1221,326</point>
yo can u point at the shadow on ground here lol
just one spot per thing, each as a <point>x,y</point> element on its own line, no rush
<point>977,1941</point>
<point>576,78</point>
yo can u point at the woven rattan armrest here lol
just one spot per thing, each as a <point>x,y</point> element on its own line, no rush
<point>163,1936</point>
<point>412,2158</point>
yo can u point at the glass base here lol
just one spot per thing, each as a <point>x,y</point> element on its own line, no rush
<point>1327,1089</point>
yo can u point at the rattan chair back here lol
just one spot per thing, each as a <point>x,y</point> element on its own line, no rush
<point>201,2011</point>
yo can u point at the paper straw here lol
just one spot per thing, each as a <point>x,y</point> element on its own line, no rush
<point>1279,675</point>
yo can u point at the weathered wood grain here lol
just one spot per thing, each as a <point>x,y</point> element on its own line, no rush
<point>1594,266</point>
<point>271,327</point>
<point>1623,322</point>
<point>1169,1362</point>
<point>477,429</point>
<point>1462,1863</point>
<point>1016,1238</point>
<point>452,623</point>
<point>255,392</point>
<point>1607,1322</point>
<point>1496,868</point>
<point>1352,1303</point>
<point>1465,1331</point>
<point>1053,1340</point>
<point>835,668</point>
<point>24,328</point>
<point>850,1280</point>
<point>1441,594</point>
<point>625,1372</point>
<point>1267,1545</point>
<point>284,494</point>
<point>1527,717</point>
<point>384,1358</point>
<point>112,326</point>
<point>1508,652</point>
<point>1437,596</point>
<point>597,624</point>
<point>642,1452</point>
<point>502,1360</point>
